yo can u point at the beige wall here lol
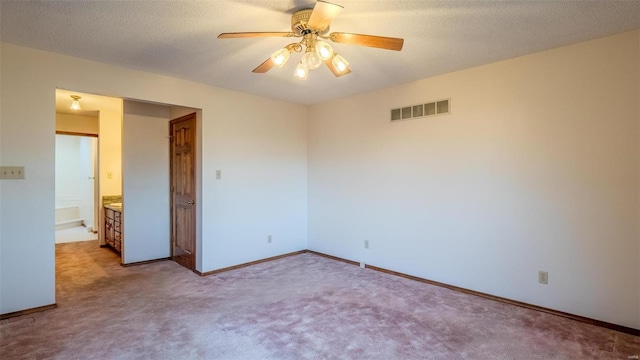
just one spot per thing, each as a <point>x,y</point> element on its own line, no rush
<point>261,151</point>
<point>110,150</point>
<point>145,160</point>
<point>536,168</point>
<point>77,123</point>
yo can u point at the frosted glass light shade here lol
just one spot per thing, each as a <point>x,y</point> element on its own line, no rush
<point>324,50</point>
<point>301,71</point>
<point>75,104</point>
<point>280,57</point>
<point>311,60</point>
<point>340,63</point>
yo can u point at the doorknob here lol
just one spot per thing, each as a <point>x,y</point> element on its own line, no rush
<point>190,202</point>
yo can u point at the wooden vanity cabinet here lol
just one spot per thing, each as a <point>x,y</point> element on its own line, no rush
<point>113,229</point>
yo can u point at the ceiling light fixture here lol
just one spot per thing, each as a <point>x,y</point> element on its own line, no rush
<point>75,104</point>
<point>302,71</point>
<point>280,57</point>
<point>312,25</point>
<point>340,63</point>
<point>324,50</point>
<point>311,58</point>
<point>316,52</point>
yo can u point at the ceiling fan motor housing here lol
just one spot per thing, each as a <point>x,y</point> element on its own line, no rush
<point>299,22</point>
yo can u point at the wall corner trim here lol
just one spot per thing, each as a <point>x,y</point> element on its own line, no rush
<point>28,311</point>
<point>229,268</point>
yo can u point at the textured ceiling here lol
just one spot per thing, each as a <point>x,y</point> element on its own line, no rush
<point>178,38</point>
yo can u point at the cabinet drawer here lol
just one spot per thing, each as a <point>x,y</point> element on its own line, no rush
<point>116,226</point>
<point>117,216</point>
<point>108,213</point>
<point>117,236</point>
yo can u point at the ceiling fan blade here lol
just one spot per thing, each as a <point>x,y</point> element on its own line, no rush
<point>380,42</point>
<point>238,35</point>
<point>264,67</point>
<point>322,14</point>
<point>333,68</point>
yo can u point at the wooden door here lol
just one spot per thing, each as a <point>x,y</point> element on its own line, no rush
<point>183,196</point>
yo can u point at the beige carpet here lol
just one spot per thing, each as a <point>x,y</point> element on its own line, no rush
<point>300,307</point>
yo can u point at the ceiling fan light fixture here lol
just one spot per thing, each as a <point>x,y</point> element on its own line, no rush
<point>75,104</point>
<point>311,59</point>
<point>340,63</point>
<point>280,57</point>
<point>324,50</point>
<point>301,72</point>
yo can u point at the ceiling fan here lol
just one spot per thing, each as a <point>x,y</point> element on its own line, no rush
<point>312,25</point>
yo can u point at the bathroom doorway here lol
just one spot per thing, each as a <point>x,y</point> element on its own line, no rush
<point>75,190</point>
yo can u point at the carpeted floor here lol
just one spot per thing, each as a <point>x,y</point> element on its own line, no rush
<point>300,307</point>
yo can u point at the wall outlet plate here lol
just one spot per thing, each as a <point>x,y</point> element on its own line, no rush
<point>12,172</point>
<point>543,277</point>
<point>362,264</point>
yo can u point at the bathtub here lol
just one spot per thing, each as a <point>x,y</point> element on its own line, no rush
<point>68,217</point>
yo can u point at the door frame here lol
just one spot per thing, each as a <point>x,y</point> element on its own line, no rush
<point>194,164</point>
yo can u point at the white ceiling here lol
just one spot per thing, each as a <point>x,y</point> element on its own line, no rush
<point>178,38</point>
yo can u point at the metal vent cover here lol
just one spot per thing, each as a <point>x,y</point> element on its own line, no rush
<point>437,107</point>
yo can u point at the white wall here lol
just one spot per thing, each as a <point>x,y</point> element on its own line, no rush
<point>145,160</point>
<point>536,168</point>
<point>261,149</point>
<point>260,144</point>
<point>68,174</point>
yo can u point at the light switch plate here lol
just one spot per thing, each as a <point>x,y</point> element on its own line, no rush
<point>11,172</point>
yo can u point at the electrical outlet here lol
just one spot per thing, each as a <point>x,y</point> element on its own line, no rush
<point>12,172</point>
<point>366,244</point>
<point>269,239</point>
<point>362,264</point>
<point>218,174</point>
<point>109,175</point>
<point>543,277</point>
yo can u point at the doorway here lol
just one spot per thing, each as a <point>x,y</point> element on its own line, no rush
<point>96,120</point>
<point>75,190</point>
<point>182,132</point>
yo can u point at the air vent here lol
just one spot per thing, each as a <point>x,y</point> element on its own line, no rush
<point>437,107</point>
<point>406,112</point>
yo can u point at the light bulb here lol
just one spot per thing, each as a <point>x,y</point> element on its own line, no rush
<point>311,60</point>
<point>75,104</point>
<point>340,63</point>
<point>301,71</point>
<point>280,57</point>
<point>324,50</point>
